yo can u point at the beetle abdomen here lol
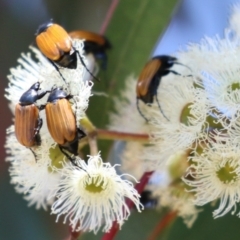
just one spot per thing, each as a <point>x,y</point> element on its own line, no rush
<point>26,123</point>
<point>61,121</point>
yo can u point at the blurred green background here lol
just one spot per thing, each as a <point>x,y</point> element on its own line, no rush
<point>133,30</point>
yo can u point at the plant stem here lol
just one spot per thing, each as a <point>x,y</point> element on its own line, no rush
<point>115,135</point>
<point>139,187</point>
<point>93,145</point>
<point>164,222</point>
<point>73,235</point>
<point>108,16</point>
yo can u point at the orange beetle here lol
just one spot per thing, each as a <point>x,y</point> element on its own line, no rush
<point>55,43</point>
<point>94,43</point>
<point>27,121</point>
<point>61,122</point>
<point>150,77</point>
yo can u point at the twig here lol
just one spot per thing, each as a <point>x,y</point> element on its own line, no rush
<point>139,187</point>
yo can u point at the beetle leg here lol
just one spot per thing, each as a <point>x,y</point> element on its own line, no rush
<point>69,96</point>
<point>140,112</point>
<point>174,72</point>
<point>34,154</point>
<point>37,136</point>
<point>43,93</point>
<point>83,63</point>
<point>71,159</point>
<point>41,107</point>
<point>40,122</point>
<point>159,106</point>
<point>38,139</point>
<point>80,134</point>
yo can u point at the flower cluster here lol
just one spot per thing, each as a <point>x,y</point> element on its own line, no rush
<point>194,127</point>
<point>202,107</point>
<point>90,194</point>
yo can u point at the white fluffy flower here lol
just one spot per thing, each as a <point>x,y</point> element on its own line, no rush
<point>133,161</point>
<point>223,90</point>
<point>186,109</point>
<point>215,63</point>
<point>215,174</point>
<point>94,197</point>
<point>31,174</point>
<point>175,198</point>
<point>125,108</point>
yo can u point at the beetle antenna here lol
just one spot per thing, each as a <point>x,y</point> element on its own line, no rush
<point>159,106</point>
<point>178,63</point>
<point>140,112</point>
<point>83,63</point>
<point>176,73</point>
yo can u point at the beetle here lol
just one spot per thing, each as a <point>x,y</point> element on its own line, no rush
<point>147,200</point>
<point>94,43</point>
<point>150,77</point>
<point>27,120</point>
<point>61,122</point>
<point>56,44</point>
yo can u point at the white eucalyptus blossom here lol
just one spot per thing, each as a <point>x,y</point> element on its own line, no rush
<point>93,197</point>
<point>126,107</point>
<point>186,110</point>
<point>176,199</point>
<point>126,117</point>
<point>223,91</point>
<point>215,175</point>
<point>132,160</point>
<point>30,171</point>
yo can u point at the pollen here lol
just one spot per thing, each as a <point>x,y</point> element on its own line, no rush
<point>96,185</point>
<point>185,114</point>
<point>56,157</point>
<point>234,86</point>
<point>227,174</point>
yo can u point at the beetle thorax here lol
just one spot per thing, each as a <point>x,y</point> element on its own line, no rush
<point>29,97</point>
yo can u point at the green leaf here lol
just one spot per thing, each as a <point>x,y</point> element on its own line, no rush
<point>205,227</point>
<point>138,226</point>
<point>133,32</point>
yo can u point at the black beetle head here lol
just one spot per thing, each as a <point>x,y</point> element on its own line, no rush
<point>35,86</point>
<point>43,27</point>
